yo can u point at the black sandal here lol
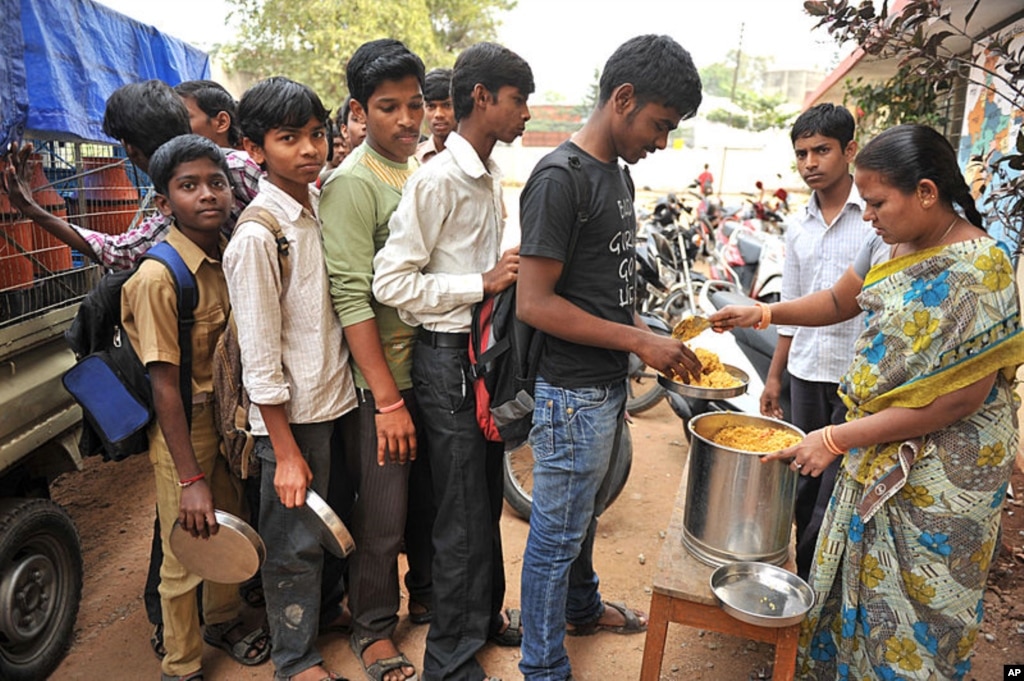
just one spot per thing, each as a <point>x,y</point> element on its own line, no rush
<point>156,641</point>
<point>250,650</point>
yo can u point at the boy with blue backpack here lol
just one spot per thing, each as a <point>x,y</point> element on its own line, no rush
<point>191,178</point>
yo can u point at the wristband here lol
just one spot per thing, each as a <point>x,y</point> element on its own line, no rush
<point>391,407</point>
<point>830,442</point>
<point>187,482</point>
<point>766,317</point>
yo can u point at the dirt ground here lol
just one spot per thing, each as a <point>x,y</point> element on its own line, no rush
<point>112,505</point>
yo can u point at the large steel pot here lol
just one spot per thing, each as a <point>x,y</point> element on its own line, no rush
<point>737,508</point>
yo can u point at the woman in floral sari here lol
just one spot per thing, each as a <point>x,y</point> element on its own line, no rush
<point>931,435</point>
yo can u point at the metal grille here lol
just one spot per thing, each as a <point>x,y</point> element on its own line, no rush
<point>90,185</point>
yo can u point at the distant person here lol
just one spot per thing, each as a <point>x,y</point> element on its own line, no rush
<point>192,479</point>
<point>212,112</point>
<point>441,258</point>
<point>931,436</point>
<point>336,154</point>
<point>386,81</point>
<point>294,359</point>
<point>437,99</point>
<point>821,243</point>
<point>584,302</point>
<point>706,182</point>
<point>351,125</point>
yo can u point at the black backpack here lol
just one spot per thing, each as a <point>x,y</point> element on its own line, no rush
<point>504,351</point>
<point>109,381</point>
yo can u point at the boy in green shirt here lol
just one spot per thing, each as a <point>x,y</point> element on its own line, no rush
<point>386,81</point>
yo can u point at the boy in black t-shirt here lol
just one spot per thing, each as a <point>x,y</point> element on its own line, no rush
<point>646,88</point>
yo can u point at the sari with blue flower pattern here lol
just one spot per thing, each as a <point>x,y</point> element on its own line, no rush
<point>909,535</point>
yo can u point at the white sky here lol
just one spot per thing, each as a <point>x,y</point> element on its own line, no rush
<point>565,40</point>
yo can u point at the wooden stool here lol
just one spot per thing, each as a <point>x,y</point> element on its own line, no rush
<point>682,594</point>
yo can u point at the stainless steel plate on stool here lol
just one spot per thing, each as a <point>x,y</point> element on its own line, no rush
<point>702,393</point>
<point>761,594</point>
<point>325,523</point>
<point>231,556</point>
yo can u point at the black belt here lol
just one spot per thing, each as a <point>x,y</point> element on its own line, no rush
<point>440,339</point>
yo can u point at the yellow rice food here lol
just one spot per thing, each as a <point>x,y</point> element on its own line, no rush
<point>755,438</point>
<point>713,373</point>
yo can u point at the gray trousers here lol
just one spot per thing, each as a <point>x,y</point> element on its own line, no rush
<point>292,569</point>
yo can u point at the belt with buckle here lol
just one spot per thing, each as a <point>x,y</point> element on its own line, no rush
<point>440,339</point>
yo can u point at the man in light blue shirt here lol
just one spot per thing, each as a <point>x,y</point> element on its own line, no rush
<point>821,244</point>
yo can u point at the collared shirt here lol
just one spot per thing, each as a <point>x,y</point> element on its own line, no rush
<point>293,351</point>
<point>445,233</point>
<point>428,149</point>
<point>817,255</point>
<point>355,206</point>
<point>120,251</point>
<point>149,310</point>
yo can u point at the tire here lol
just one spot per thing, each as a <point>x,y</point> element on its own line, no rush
<point>642,388</point>
<point>518,476</point>
<point>40,587</point>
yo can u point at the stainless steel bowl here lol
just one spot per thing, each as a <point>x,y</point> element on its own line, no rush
<point>761,594</point>
<point>702,393</point>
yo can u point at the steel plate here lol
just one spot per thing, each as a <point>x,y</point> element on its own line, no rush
<point>231,556</point>
<point>326,524</point>
<point>762,594</point>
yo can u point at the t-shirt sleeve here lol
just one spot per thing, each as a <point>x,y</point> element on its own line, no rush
<point>547,213</point>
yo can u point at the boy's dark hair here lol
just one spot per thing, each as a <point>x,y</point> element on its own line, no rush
<point>145,115</point>
<point>493,66</point>
<point>278,102</point>
<point>660,71</point>
<point>437,86</point>
<point>178,150</point>
<point>211,97</point>
<point>827,120</point>
<point>906,154</point>
<point>346,110</point>
<point>377,61</point>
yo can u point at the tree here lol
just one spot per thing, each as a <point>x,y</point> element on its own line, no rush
<point>924,37</point>
<point>904,98</point>
<point>760,112</point>
<point>311,40</point>
<point>717,79</point>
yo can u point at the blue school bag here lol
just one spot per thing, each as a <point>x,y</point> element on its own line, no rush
<point>109,381</point>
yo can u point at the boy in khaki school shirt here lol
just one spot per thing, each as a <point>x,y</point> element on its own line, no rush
<point>191,178</point>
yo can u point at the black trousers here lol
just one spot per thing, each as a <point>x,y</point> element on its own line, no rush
<point>468,568</point>
<point>815,405</point>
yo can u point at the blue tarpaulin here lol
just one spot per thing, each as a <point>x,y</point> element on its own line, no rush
<point>61,59</point>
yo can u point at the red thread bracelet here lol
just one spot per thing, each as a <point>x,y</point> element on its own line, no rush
<point>189,481</point>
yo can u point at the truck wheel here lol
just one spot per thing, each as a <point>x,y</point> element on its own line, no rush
<point>518,474</point>
<point>40,587</point>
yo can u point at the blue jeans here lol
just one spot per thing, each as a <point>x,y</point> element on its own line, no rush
<point>572,439</point>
